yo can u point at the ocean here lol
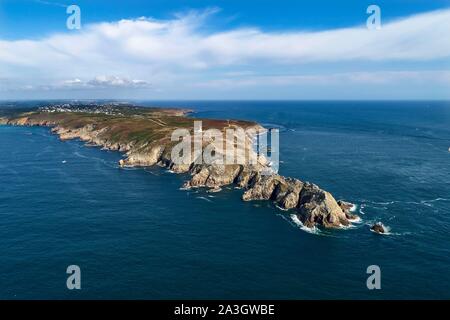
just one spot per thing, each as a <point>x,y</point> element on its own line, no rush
<point>136,235</point>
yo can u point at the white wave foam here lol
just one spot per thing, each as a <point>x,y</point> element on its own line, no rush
<point>283,209</point>
<point>387,230</point>
<point>79,155</point>
<point>203,198</point>
<point>382,203</point>
<point>356,220</point>
<point>428,203</point>
<point>297,221</point>
<point>382,234</point>
<point>361,209</point>
<point>350,226</point>
<point>439,199</point>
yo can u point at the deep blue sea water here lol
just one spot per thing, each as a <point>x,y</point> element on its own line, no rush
<point>134,234</point>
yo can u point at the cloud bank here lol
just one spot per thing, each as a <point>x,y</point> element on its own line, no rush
<point>182,51</point>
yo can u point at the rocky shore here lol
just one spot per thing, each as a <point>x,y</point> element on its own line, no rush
<point>309,203</point>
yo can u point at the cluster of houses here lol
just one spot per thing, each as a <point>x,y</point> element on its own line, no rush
<point>109,109</point>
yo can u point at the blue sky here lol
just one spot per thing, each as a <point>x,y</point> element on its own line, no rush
<point>30,18</point>
<point>261,49</point>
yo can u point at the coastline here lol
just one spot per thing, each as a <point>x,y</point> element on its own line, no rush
<point>310,204</point>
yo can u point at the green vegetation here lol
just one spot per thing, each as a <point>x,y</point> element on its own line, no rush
<point>118,124</point>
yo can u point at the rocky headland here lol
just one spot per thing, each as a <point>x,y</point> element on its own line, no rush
<point>143,135</point>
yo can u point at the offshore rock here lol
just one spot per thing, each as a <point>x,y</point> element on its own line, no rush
<point>318,207</point>
<point>378,228</point>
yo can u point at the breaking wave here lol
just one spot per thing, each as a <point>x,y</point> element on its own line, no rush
<point>281,208</point>
<point>296,221</point>
<point>386,228</point>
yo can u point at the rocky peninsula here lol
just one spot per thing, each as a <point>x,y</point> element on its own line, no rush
<point>144,136</point>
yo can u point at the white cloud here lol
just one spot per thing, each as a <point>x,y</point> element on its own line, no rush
<point>171,51</point>
<point>99,82</point>
<point>115,81</point>
<point>102,82</point>
<point>72,82</point>
<point>50,3</point>
<point>336,79</point>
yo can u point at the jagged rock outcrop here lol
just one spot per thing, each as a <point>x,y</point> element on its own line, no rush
<point>318,207</point>
<point>147,156</point>
<point>347,207</point>
<point>378,228</point>
<point>313,206</point>
<point>212,176</point>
